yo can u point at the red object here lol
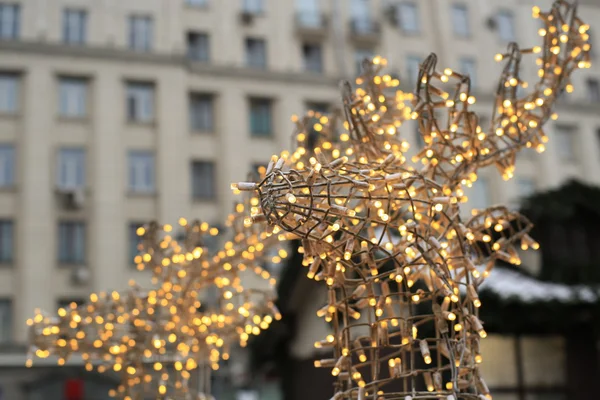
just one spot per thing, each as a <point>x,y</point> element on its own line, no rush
<point>73,389</point>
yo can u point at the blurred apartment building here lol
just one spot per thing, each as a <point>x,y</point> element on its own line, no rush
<point>113,113</point>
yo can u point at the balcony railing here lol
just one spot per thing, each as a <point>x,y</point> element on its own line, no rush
<point>365,29</point>
<point>311,23</point>
<point>311,20</point>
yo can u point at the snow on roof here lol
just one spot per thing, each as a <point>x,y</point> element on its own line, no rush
<point>508,284</point>
<point>512,284</point>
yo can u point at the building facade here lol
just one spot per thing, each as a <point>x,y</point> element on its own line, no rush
<point>113,113</point>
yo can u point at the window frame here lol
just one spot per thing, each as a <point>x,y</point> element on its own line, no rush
<point>15,28</point>
<point>312,66</point>
<point>200,37</point>
<point>197,3</point>
<point>464,61</point>
<point>11,317</point>
<point>521,387</point>
<point>401,10</point>
<point>132,227</point>
<point>137,156</point>
<point>360,54</point>
<point>200,96</point>
<point>141,24</point>
<point>7,150</point>
<point>65,303</point>
<point>79,155</point>
<point>71,258</point>
<point>212,192</point>
<point>361,17</point>
<point>460,30</point>
<point>63,103</point>
<point>251,42</point>
<point>133,91</point>
<point>14,79</point>
<point>9,224</point>
<point>410,61</point>
<point>256,166</point>
<point>268,103</point>
<point>308,13</point>
<point>593,89</point>
<point>509,16</point>
<point>80,35</point>
<point>254,7</point>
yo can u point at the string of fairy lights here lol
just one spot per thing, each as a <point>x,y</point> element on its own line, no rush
<point>401,264</point>
<point>385,234</point>
<point>199,308</point>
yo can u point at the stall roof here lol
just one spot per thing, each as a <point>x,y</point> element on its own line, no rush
<point>510,284</point>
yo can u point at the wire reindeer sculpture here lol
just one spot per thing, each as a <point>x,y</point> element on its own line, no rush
<point>401,265</point>
<point>204,302</point>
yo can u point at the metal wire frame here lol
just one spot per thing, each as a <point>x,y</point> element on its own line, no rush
<point>154,339</point>
<point>369,221</point>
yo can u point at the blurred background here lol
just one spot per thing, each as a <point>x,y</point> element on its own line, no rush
<point>114,113</point>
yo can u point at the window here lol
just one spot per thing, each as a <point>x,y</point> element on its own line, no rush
<point>317,106</point>
<point>69,304</point>
<point>7,165</point>
<point>360,11</point>
<point>201,112</point>
<point>312,134</point>
<point>71,169</point>
<point>203,180</point>
<point>408,16</point>
<point>593,88</point>
<point>253,6</point>
<point>140,102</point>
<point>261,117</point>
<point>134,240</point>
<point>5,321</point>
<point>140,33</point>
<point>71,242</point>
<point>197,3</point>
<point>258,168</point>
<point>413,64</point>
<point>256,53</point>
<point>536,365</point>
<point>593,41</point>
<point>141,172</point>
<point>359,57</point>
<point>73,97</point>
<point>468,66</point>
<point>460,20</point>
<point>313,58</point>
<point>9,93</point>
<point>419,138</point>
<point>480,194</point>
<point>198,46</point>
<point>506,25</point>
<point>308,13</point>
<point>6,241</point>
<point>10,16</point>
<point>74,26</point>
<point>565,142</point>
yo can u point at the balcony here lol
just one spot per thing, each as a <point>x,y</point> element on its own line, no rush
<point>311,25</point>
<point>365,30</point>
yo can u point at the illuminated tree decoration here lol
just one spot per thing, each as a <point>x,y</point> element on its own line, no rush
<point>401,264</point>
<point>198,309</point>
